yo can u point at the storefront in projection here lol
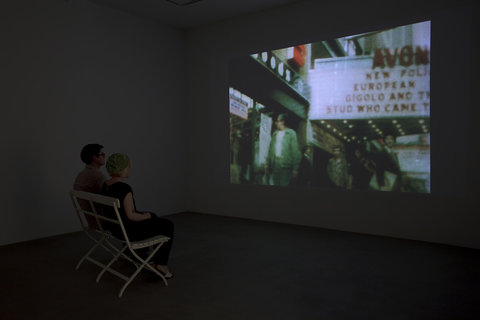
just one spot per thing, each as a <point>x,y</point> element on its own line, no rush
<point>362,100</point>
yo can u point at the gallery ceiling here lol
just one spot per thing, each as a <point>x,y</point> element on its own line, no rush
<point>186,14</point>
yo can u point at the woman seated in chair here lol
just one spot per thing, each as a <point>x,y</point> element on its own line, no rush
<point>138,225</point>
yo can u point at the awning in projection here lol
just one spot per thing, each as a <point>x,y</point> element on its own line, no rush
<point>352,130</point>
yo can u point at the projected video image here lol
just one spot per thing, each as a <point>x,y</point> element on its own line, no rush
<point>346,113</point>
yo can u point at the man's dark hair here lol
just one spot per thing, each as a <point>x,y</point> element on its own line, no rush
<point>89,151</point>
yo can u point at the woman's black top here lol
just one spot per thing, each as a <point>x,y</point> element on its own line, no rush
<point>118,190</point>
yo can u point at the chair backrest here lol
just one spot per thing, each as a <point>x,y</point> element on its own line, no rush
<point>98,206</point>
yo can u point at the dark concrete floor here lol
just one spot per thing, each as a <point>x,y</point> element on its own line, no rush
<point>229,268</point>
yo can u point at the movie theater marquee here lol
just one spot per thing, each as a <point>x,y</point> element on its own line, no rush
<point>394,82</point>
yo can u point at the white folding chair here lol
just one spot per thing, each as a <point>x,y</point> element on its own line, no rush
<point>89,204</point>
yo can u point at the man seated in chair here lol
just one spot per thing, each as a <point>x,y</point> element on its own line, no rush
<point>91,179</point>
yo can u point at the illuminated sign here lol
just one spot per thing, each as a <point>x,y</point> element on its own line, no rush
<point>238,107</point>
<point>392,83</point>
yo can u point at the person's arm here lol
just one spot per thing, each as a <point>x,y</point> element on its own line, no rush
<point>295,152</point>
<point>270,154</point>
<point>130,209</point>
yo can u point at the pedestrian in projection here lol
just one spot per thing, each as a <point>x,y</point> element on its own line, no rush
<point>283,156</point>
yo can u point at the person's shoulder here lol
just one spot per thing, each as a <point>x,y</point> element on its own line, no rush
<point>117,187</point>
<point>90,171</point>
<point>122,186</point>
<point>81,180</point>
<point>94,172</point>
<point>118,184</point>
<point>99,173</point>
<point>81,173</point>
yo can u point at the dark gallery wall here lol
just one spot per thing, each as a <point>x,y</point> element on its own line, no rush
<point>74,73</point>
<point>449,215</point>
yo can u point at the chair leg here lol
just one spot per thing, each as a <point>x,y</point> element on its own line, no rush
<point>145,263</point>
<point>97,244</point>
<point>107,267</point>
<point>127,283</point>
<point>154,269</point>
<point>114,249</point>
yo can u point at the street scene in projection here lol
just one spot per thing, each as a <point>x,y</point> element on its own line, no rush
<point>349,113</point>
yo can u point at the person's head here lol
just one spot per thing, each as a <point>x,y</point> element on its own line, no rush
<point>337,151</point>
<point>389,140</point>
<point>423,139</point>
<point>281,121</point>
<point>307,149</point>
<point>357,153</point>
<point>92,154</point>
<point>118,165</point>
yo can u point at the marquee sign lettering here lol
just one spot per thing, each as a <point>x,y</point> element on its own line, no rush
<point>394,82</point>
